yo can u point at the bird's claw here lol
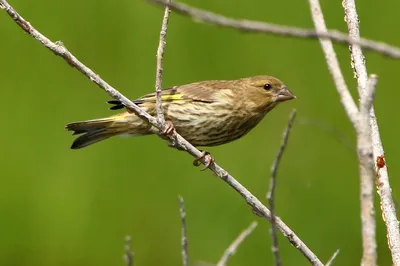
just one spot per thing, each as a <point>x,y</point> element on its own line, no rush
<point>197,162</point>
<point>168,129</point>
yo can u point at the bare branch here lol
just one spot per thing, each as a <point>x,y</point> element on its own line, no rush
<point>231,250</point>
<point>384,190</point>
<point>363,139</point>
<point>367,99</point>
<point>287,31</point>
<point>185,256</point>
<point>272,185</point>
<point>366,163</point>
<point>330,261</point>
<point>128,256</point>
<point>333,63</point>
<point>159,72</point>
<point>176,139</point>
<point>385,193</point>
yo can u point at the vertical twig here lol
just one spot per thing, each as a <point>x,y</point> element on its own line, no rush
<point>366,164</point>
<point>330,261</point>
<point>231,250</point>
<point>128,256</point>
<point>272,185</point>
<point>384,190</point>
<point>159,72</point>
<point>184,242</point>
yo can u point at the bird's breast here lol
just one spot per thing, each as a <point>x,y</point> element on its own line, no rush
<point>210,124</point>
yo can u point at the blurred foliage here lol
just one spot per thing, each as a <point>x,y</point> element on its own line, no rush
<point>65,207</point>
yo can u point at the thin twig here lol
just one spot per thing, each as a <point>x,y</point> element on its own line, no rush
<point>280,30</point>
<point>176,139</point>
<point>330,261</point>
<point>272,186</point>
<point>384,189</point>
<point>231,250</point>
<point>159,72</point>
<point>184,242</point>
<point>128,256</point>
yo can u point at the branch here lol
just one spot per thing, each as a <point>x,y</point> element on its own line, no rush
<point>366,164</point>
<point>279,30</point>
<point>333,63</point>
<point>272,185</point>
<point>128,256</point>
<point>384,190</point>
<point>175,138</point>
<point>363,140</point>
<point>185,256</point>
<point>231,250</point>
<point>330,261</point>
<point>159,72</point>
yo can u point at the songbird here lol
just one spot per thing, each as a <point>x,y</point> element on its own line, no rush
<point>206,113</point>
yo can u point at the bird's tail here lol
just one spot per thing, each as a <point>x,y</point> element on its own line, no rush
<point>96,130</point>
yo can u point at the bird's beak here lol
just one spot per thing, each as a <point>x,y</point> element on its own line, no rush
<point>285,94</point>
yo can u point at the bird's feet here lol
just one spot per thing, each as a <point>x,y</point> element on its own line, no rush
<point>168,129</point>
<point>203,155</point>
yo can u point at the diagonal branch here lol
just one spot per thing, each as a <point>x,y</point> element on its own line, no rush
<point>176,139</point>
<point>384,190</point>
<point>270,28</point>
<point>159,72</point>
<point>330,261</point>
<point>272,185</point>
<point>333,63</point>
<point>231,250</point>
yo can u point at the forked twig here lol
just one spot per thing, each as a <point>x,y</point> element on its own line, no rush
<point>272,186</point>
<point>384,190</point>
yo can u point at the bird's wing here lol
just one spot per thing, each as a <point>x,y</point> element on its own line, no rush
<point>201,92</point>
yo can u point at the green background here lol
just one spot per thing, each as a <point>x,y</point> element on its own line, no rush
<point>74,207</point>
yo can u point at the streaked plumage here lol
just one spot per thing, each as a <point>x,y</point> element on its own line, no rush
<point>206,113</point>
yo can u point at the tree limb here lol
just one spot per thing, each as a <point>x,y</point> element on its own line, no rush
<point>384,189</point>
<point>279,30</point>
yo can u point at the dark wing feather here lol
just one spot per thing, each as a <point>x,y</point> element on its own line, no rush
<point>201,91</point>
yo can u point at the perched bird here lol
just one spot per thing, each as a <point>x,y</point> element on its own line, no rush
<point>206,113</point>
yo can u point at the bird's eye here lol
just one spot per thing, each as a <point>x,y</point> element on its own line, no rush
<point>267,86</point>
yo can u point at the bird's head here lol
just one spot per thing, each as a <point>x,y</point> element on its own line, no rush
<point>265,91</point>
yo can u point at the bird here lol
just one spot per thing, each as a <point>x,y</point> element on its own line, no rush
<point>205,113</point>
